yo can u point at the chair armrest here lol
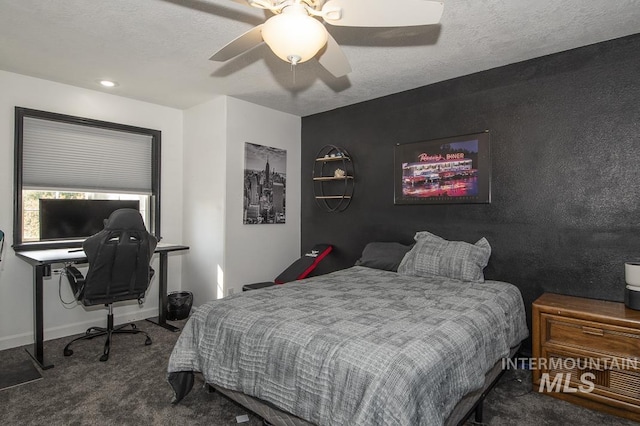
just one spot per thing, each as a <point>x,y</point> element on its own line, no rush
<point>76,280</point>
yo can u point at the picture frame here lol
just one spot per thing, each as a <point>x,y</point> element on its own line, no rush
<point>265,183</point>
<point>452,170</point>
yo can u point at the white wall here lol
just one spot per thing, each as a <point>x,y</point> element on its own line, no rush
<point>16,289</point>
<point>256,253</point>
<point>226,254</point>
<point>204,198</point>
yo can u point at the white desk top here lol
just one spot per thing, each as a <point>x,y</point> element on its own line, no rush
<point>77,255</point>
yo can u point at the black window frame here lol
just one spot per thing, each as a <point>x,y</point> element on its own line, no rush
<point>20,114</point>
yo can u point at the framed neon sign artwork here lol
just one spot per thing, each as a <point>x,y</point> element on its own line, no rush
<point>454,170</point>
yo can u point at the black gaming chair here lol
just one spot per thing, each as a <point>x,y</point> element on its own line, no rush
<point>119,258</point>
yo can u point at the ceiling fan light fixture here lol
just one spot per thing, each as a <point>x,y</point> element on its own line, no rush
<point>293,35</point>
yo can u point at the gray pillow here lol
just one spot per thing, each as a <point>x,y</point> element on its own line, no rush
<point>432,255</point>
<point>382,255</point>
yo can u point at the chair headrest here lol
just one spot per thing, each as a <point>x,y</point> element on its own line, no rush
<point>125,219</point>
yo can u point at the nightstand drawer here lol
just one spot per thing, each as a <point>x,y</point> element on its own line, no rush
<point>589,335</point>
<point>609,377</point>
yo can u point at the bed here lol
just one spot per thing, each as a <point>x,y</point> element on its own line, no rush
<point>359,346</point>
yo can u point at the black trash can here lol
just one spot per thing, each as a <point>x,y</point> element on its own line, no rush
<point>179,305</point>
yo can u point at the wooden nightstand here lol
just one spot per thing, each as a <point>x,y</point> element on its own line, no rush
<point>587,352</point>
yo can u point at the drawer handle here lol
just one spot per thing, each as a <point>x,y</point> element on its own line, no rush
<point>593,331</point>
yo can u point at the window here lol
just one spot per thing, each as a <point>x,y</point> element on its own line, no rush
<point>64,157</point>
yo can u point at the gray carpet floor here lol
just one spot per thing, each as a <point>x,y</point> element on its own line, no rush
<point>131,389</point>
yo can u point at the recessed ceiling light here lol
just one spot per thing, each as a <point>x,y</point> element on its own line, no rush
<point>108,83</point>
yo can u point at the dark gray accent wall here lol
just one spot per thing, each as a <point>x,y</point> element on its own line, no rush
<point>565,153</point>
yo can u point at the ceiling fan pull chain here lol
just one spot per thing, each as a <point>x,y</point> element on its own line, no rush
<point>294,60</point>
<point>293,70</point>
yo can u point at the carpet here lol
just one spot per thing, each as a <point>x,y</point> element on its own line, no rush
<point>130,389</point>
<point>17,373</point>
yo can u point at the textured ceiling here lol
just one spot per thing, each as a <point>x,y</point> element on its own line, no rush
<point>158,50</point>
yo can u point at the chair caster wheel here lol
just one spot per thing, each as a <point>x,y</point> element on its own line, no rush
<point>104,357</point>
<point>148,341</point>
<point>67,352</point>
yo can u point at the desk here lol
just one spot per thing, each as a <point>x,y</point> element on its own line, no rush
<point>41,261</point>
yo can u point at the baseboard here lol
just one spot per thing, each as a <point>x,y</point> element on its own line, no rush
<point>23,339</point>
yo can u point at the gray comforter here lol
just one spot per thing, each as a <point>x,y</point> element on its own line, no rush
<point>356,347</point>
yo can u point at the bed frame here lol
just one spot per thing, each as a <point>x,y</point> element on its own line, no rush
<point>468,405</point>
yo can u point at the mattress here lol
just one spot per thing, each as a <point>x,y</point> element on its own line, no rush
<point>359,346</point>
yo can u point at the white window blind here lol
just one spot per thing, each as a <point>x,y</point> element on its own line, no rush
<point>75,157</point>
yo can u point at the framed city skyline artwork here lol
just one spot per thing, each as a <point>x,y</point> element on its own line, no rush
<point>265,181</point>
<point>454,170</point>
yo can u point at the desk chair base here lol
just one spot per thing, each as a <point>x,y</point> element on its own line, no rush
<point>93,332</point>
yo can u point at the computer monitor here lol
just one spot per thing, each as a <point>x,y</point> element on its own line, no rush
<point>77,219</point>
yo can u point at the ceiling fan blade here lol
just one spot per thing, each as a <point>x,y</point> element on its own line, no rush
<point>260,4</point>
<point>333,59</point>
<point>246,41</point>
<point>367,13</point>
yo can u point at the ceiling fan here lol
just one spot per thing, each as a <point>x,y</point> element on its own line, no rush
<point>295,34</point>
